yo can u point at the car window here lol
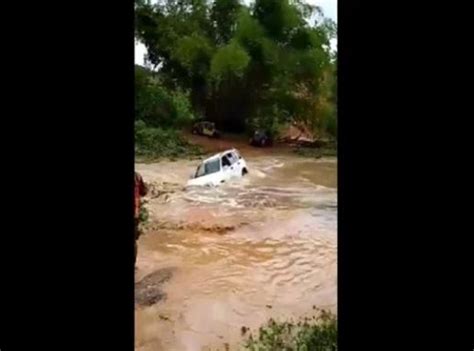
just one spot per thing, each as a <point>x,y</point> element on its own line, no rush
<point>231,157</point>
<point>212,166</point>
<point>226,161</point>
<point>208,168</point>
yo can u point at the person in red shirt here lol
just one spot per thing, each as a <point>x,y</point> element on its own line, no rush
<point>140,191</point>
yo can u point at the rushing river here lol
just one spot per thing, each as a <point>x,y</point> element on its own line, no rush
<point>258,247</point>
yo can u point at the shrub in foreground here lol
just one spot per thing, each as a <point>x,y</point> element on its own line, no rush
<point>316,334</point>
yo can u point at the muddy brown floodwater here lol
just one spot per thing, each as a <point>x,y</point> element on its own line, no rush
<point>216,259</point>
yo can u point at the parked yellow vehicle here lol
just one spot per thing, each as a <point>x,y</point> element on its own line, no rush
<point>206,128</point>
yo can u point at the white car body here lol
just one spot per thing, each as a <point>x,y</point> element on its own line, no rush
<point>219,169</point>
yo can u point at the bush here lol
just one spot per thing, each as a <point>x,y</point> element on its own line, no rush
<point>157,142</point>
<point>158,106</point>
<point>143,216</point>
<point>329,121</point>
<point>318,334</point>
<point>229,62</point>
<point>182,108</point>
<point>331,126</point>
<point>268,119</point>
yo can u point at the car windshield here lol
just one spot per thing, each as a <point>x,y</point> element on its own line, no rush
<point>209,167</point>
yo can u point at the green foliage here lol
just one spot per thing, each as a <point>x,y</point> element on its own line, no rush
<point>158,106</point>
<point>182,108</point>
<point>278,17</point>
<point>262,63</point>
<point>224,15</point>
<point>143,216</point>
<point>329,121</point>
<point>249,32</point>
<point>194,53</point>
<point>229,62</point>
<point>157,142</point>
<point>268,118</point>
<point>317,334</point>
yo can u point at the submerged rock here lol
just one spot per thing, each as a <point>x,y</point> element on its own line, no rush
<point>148,290</point>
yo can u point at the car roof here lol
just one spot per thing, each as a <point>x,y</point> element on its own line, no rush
<point>219,155</point>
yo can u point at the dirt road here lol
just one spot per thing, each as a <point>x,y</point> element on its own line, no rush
<point>215,260</point>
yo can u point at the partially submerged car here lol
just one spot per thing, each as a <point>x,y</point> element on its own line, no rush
<point>219,169</point>
<point>206,128</point>
<point>261,138</point>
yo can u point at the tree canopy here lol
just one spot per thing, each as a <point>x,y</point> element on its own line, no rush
<point>242,65</point>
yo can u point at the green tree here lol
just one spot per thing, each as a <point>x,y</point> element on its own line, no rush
<point>243,65</point>
<point>224,15</point>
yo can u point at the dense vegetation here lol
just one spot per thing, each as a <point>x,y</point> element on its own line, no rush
<point>240,66</point>
<point>152,142</point>
<point>159,113</point>
<point>317,334</point>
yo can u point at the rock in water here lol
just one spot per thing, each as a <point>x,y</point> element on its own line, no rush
<point>148,290</point>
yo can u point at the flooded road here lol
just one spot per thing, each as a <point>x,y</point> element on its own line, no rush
<point>259,247</point>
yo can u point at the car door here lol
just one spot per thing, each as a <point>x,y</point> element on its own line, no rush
<point>239,163</point>
<point>209,172</point>
<point>233,166</point>
<point>226,167</point>
<point>200,177</point>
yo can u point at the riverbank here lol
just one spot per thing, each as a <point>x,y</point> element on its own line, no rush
<point>187,146</point>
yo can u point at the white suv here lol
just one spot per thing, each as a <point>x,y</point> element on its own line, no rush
<point>219,168</point>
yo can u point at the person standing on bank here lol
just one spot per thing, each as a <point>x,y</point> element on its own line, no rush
<point>140,191</point>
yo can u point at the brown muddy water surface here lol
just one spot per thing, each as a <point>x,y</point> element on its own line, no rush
<point>213,260</point>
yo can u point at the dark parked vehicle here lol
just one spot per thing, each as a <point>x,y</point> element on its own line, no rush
<point>261,138</point>
<point>206,128</point>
